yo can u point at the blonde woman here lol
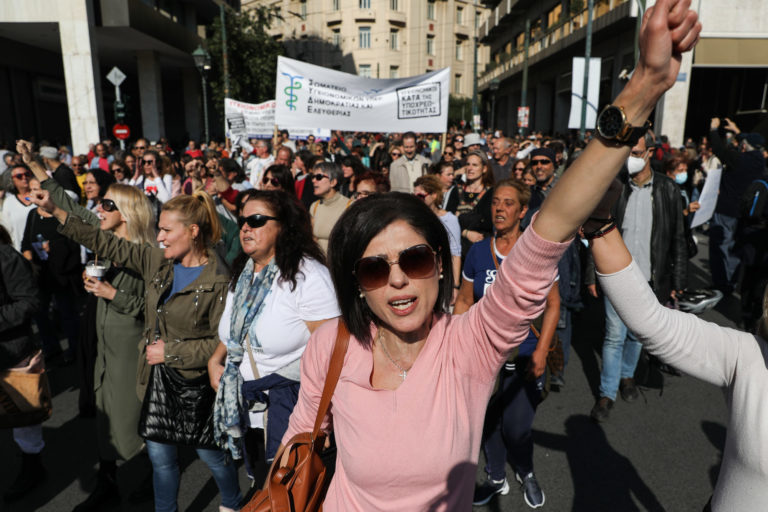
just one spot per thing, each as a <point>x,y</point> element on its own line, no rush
<point>126,212</point>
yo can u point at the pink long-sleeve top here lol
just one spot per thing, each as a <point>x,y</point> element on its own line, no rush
<point>416,447</point>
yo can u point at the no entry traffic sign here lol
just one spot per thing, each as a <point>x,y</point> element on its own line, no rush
<point>121,131</point>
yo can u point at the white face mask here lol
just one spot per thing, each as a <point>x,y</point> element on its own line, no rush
<point>635,165</point>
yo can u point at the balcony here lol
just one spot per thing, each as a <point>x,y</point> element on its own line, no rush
<point>544,43</point>
<point>462,31</point>
<point>365,15</point>
<point>333,18</point>
<point>396,18</point>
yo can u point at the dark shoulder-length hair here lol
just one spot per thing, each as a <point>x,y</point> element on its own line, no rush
<point>294,242</point>
<point>284,176</point>
<point>359,224</point>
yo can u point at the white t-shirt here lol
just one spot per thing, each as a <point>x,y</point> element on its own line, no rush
<point>283,335</point>
<point>14,218</point>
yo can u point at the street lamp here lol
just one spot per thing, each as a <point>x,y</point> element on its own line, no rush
<point>203,63</point>
<point>493,86</point>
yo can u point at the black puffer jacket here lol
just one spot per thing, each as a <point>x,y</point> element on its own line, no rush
<point>669,256</point>
<point>18,302</point>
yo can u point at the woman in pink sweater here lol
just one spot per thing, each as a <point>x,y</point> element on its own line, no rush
<point>408,409</point>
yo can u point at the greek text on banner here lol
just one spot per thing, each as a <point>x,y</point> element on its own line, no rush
<point>309,95</point>
<point>257,121</point>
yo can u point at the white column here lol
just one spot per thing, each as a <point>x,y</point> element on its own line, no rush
<point>80,76</point>
<point>190,78</point>
<point>671,114</point>
<point>151,95</point>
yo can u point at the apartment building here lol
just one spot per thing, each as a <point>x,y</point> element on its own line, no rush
<point>382,38</point>
<point>726,75</point>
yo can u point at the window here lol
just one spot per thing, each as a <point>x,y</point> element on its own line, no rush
<point>365,4</point>
<point>459,15</point>
<point>430,10</point>
<point>337,37</point>
<point>394,5</point>
<point>459,50</point>
<point>394,72</point>
<point>335,5</point>
<point>457,84</point>
<point>364,70</point>
<point>430,45</point>
<point>365,37</point>
<point>394,39</point>
<point>303,10</point>
<point>554,15</point>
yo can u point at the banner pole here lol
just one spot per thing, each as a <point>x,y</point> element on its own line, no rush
<point>274,141</point>
<point>442,142</point>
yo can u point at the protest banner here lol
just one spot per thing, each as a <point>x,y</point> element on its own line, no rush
<point>257,121</point>
<point>708,198</point>
<point>309,95</point>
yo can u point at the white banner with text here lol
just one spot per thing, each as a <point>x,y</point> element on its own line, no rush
<point>257,121</point>
<point>309,95</point>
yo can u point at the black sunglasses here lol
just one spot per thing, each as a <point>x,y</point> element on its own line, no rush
<point>418,262</point>
<point>148,162</point>
<point>108,205</point>
<point>254,221</point>
<point>541,162</point>
<point>24,175</point>
<point>319,177</point>
<point>273,181</point>
<point>421,196</point>
<point>139,147</point>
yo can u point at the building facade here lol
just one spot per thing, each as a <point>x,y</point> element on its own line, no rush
<point>57,54</point>
<point>382,38</point>
<point>726,75</point>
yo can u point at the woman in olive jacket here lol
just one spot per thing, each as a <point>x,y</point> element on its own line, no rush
<point>186,284</point>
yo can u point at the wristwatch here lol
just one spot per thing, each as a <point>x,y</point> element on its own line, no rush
<point>612,125</point>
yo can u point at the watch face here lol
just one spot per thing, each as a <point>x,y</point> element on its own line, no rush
<point>610,122</point>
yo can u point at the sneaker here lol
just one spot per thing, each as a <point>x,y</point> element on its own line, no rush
<point>532,493</point>
<point>602,409</point>
<point>628,390</point>
<point>489,489</point>
<point>557,381</point>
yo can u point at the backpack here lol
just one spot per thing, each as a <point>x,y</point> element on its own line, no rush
<point>754,201</point>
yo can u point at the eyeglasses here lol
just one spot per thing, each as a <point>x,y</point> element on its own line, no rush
<point>273,181</point>
<point>418,262</point>
<point>448,153</point>
<point>139,147</point>
<point>108,205</point>
<point>365,193</point>
<point>421,196</point>
<point>458,140</point>
<point>76,165</point>
<point>396,153</point>
<point>540,162</point>
<point>22,176</point>
<point>254,221</point>
<point>521,169</point>
<point>148,162</point>
<point>319,177</point>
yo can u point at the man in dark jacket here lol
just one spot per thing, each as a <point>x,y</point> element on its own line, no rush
<point>18,303</point>
<point>740,168</point>
<point>649,213</point>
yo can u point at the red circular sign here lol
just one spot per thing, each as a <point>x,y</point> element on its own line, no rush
<point>121,131</point>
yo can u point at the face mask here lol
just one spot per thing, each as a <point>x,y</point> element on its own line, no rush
<point>635,165</point>
<point>681,178</point>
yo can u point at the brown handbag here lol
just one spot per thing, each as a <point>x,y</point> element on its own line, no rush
<point>300,484</point>
<point>25,397</point>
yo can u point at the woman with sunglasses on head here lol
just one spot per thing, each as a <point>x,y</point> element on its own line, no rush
<point>279,294</point>
<point>416,380</point>
<point>151,180</point>
<point>429,189</point>
<point>474,208</point>
<point>512,408</point>
<point>119,314</point>
<point>186,284</point>
<point>326,177</point>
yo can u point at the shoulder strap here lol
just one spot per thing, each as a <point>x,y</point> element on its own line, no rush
<point>334,370</point>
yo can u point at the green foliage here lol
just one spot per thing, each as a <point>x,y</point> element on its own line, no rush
<point>251,57</point>
<point>576,6</point>
<point>457,105</point>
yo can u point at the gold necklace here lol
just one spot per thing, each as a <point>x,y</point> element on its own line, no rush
<point>403,372</point>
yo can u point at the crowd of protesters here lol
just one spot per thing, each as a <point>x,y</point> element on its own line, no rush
<point>220,261</point>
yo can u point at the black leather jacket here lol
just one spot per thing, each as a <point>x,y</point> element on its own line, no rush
<point>18,302</point>
<point>669,256</point>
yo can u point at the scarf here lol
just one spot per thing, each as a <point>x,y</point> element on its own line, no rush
<point>229,412</point>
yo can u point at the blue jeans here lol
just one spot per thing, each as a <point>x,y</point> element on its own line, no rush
<point>621,351</point>
<point>165,475</point>
<point>723,262</point>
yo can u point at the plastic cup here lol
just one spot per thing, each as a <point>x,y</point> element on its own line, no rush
<point>95,269</point>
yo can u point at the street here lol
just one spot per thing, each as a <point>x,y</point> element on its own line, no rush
<point>660,453</point>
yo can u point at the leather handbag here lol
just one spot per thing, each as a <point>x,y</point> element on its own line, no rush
<point>176,410</point>
<point>25,396</point>
<point>300,484</point>
<point>555,355</point>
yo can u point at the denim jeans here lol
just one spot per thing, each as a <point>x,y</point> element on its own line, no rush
<point>621,351</point>
<point>723,262</point>
<point>165,475</point>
